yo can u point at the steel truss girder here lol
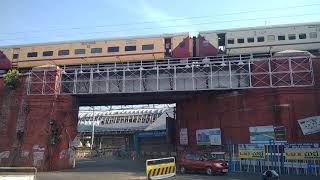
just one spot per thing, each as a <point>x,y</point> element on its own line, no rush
<point>208,74</point>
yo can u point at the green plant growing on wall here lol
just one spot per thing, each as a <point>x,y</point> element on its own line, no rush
<point>11,79</point>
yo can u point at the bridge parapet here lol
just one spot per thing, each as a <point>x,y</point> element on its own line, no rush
<point>178,75</point>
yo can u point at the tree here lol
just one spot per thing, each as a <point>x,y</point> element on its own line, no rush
<point>11,79</point>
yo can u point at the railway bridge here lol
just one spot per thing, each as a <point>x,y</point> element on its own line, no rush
<point>231,93</point>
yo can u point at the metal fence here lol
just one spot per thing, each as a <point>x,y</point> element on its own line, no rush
<point>275,159</point>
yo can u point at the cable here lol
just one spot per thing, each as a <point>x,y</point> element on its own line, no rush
<point>170,20</point>
<point>197,24</point>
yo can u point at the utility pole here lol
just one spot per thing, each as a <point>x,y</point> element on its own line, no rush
<point>92,135</point>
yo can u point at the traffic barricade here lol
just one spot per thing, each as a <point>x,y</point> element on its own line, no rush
<point>160,168</point>
<point>18,173</point>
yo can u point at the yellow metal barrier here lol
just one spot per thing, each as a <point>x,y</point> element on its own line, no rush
<point>160,168</point>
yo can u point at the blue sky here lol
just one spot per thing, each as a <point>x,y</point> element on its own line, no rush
<point>38,21</point>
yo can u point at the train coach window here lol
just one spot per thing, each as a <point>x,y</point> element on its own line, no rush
<point>15,56</point>
<point>130,48</point>
<point>79,51</point>
<point>148,47</point>
<point>250,40</point>
<point>302,36</point>
<point>313,35</point>
<point>206,43</point>
<point>113,49</point>
<point>261,39</point>
<point>63,52</point>
<point>291,36</point>
<point>271,38</point>
<point>47,53</point>
<point>240,40</point>
<point>281,38</point>
<point>32,54</point>
<point>230,41</point>
<point>96,50</point>
<point>182,44</point>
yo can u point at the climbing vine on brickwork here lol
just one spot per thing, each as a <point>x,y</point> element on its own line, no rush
<point>11,79</point>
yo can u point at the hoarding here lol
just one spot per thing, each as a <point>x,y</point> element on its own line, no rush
<point>209,136</point>
<point>251,151</point>
<point>183,136</point>
<point>310,125</point>
<point>261,134</point>
<point>303,151</point>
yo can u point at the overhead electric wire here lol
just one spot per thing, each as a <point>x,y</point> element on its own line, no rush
<point>166,20</point>
<point>163,27</point>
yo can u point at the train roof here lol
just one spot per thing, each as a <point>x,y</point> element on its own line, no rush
<point>260,27</point>
<point>100,39</point>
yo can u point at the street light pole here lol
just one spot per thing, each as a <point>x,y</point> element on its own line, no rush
<point>92,135</point>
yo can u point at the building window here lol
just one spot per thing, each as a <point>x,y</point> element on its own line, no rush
<point>79,51</point>
<point>291,36</point>
<point>32,54</point>
<point>271,38</point>
<point>303,36</point>
<point>113,49</point>
<point>240,40</point>
<point>63,52</point>
<point>313,35</point>
<point>130,48</point>
<point>281,38</point>
<point>15,56</point>
<point>148,47</point>
<point>47,53</point>
<point>230,41</point>
<point>96,50</point>
<point>261,39</point>
<point>250,40</point>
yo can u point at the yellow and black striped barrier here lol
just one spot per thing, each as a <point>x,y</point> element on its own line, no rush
<point>160,168</point>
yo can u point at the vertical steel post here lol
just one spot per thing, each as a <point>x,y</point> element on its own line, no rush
<point>192,75</point>
<point>90,80</point>
<point>290,70</point>
<point>230,75</point>
<point>211,78</point>
<point>140,83</point>
<point>92,135</point>
<point>43,82</point>
<point>175,77</point>
<point>270,72</point>
<point>157,78</point>
<point>124,80</point>
<point>107,81</point>
<point>75,82</point>
<point>249,69</point>
<point>311,70</point>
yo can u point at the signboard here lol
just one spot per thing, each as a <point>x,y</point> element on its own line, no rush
<point>310,125</point>
<point>251,151</point>
<point>261,134</point>
<point>184,136</point>
<point>280,133</point>
<point>303,151</point>
<point>209,136</point>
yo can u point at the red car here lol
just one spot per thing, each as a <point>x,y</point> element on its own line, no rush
<point>203,162</point>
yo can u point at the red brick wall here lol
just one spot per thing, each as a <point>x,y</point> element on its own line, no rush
<point>236,111</point>
<point>36,114</point>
